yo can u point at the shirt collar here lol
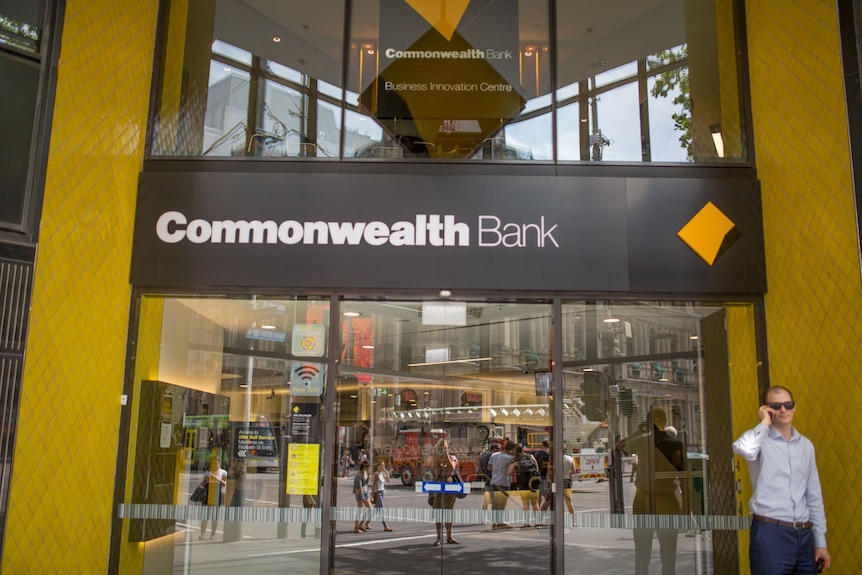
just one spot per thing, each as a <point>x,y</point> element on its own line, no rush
<point>775,434</point>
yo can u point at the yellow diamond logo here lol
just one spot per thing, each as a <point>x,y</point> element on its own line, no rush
<point>709,233</point>
<point>443,15</point>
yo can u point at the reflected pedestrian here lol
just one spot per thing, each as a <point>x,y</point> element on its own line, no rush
<point>525,467</point>
<point>363,501</point>
<point>444,467</point>
<point>501,482</point>
<point>661,457</point>
<point>378,487</point>
<point>216,481</point>
<point>346,463</point>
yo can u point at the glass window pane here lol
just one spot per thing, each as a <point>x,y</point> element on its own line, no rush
<point>615,125</point>
<point>626,71</point>
<point>643,381</point>
<point>21,24</point>
<point>227,443</point>
<point>467,82</point>
<point>261,95</point>
<point>669,139</point>
<point>529,139</point>
<point>425,389</point>
<point>285,72</point>
<point>653,50</point>
<point>16,130</point>
<point>568,132</point>
<point>232,52</point>
<point>226,119</point>
<point>364,138</point>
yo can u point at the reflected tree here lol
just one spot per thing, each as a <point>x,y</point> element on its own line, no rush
<point>675,81</point>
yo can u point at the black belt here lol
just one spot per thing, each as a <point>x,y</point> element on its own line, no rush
<point>791,524</point>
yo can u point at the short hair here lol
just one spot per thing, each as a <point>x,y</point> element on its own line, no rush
<point>775,388</point>
<point>510,445</point>
<point>495,447</point>
<point>546,443</point>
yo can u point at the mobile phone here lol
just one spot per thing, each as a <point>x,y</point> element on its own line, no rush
<point>819,565</point>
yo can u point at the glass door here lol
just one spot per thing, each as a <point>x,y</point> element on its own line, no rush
<point>643,382</point>
<point>425,392</point>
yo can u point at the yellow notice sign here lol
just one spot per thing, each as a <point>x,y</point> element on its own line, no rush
<point>303,464</point>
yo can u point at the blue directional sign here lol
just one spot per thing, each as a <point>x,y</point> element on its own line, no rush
<point>265,334</point>
<point>444,487</point>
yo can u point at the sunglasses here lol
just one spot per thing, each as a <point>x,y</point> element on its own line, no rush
<point>788,405</point>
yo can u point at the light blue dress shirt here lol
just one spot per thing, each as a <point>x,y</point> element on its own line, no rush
<point>784,477</point>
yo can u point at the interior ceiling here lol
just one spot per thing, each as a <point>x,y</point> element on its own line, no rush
<point>592,36</point>
<point>239,314</point>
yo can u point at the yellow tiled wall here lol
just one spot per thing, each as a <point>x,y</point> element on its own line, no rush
<point>59,519</point>
<point>814,304</point>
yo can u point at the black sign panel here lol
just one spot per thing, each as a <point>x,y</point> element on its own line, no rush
<point>449,74</point>
<point>254,440</point>
<point>458,232</point>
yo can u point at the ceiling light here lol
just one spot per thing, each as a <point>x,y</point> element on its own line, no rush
<point>467,360</point>
<point>445,293</point>
<point>528,411</point>
<point>367,347</point>
<point>351,314</point>
<point>504,410</point>
<point>493,412</point>
<point>715,130</point>
<point>267,326</point>
<point>276,39</point>
<point>611,320</point>
<point>693,337</point>
<point>541,411</point>
<point>517,412</point>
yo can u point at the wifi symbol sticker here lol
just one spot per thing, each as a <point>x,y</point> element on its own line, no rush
<point>306,379</point>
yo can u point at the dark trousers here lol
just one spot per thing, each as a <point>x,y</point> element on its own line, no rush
<point>778,550</point>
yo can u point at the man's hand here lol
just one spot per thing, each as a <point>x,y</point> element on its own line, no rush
<point>765,415</point>
<point>823,553</point>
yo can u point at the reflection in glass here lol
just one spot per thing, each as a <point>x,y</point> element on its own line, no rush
<point>471,82</point>
<point>417,379</point>
<point>271,93</point>
<point>641,382</point>
<point>226,121</point>
<point>614,125</point>
<point>649,56</point>
<point>234,406</point>
<point>451,84</point>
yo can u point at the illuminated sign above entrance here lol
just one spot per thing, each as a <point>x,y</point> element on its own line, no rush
<point>448,74</point>
<point>399,231</point>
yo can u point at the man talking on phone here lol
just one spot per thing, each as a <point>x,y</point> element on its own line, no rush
<point>788,527</point>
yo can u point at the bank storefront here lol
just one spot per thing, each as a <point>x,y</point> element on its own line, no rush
<point>367,229</point>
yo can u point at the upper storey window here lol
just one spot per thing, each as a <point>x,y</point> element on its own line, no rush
<point>468,80</point>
